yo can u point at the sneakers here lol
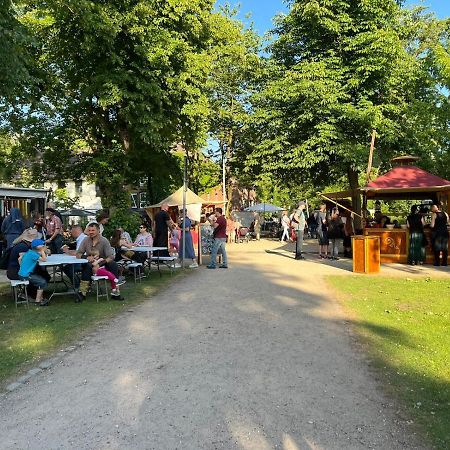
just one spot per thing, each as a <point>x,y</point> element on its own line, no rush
<point>115,295</point>
<point>120,281</point>
<point>223,266</point>
<point>177,266</point>
<point>193,265</point>
<point>210,267</point>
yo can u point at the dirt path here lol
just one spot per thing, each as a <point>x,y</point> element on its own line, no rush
<point>254,357</point>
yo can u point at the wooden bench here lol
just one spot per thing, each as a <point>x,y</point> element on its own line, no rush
<point>19,289</point>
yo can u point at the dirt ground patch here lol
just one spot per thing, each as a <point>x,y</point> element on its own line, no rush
<point>257,356</point>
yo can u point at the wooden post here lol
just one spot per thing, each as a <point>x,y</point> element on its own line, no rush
<point>369,164</point>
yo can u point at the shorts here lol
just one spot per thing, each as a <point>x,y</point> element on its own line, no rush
<point>323,237</point>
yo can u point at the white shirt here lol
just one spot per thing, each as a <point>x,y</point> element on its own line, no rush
<point>80,239</point>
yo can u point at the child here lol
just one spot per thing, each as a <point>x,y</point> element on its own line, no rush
<point>174,241</point>
<point>28,262</point>
<point>94,258</point>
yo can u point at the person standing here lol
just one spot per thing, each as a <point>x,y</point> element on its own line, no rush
<point>186,243</point>
<point>299,226</point>
<point>285,223</point>
<point>163,223</point>
<point>348,233</point>
<point>415,225</point>
<point>54,228</point>
<point>12,226</point>
<point>220,239</point>
<point>335,232</point>
<point>439,235</point>
<point>257,226</point>
<point>322,230</point>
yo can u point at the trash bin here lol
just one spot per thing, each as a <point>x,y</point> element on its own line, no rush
<point>366,254</point>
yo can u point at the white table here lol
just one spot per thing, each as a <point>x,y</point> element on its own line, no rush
<point>143,248</point>
<point>58,261</point>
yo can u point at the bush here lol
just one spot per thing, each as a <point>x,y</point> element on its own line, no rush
<point>124,218</point>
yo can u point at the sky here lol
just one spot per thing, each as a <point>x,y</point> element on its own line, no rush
<point>262,11</point>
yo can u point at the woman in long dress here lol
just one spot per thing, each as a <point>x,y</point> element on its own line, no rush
<point>186,243</point>
<point>415,225</point>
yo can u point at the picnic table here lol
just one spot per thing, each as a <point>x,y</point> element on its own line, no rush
<point>57,262</point>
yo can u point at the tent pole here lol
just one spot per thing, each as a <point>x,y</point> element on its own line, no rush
<point>183,230</point>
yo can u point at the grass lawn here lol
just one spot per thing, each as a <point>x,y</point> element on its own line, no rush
<point>28,335</point>
<point>405,325</point>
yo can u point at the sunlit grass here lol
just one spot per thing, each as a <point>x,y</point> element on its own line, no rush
<point>405,325</point>
<point>28,335</point>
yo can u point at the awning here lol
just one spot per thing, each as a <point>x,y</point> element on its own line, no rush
<point>13,192</point>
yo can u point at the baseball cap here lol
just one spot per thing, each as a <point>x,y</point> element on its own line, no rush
<point>37,243</point>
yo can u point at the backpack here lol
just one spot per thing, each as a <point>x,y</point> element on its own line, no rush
<point>4,259</point>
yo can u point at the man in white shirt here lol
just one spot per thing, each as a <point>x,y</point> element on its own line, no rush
<point>70,269</point>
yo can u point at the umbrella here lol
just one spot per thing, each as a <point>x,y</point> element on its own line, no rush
<point>264,208</point>
<point>77,212</point>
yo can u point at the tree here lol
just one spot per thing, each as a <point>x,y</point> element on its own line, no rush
<point>123,81</point>
<point>339,70</point>
<point>237,67</point>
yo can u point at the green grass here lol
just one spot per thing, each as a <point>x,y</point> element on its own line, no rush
<point>28,335</point>
<point>405,325</point>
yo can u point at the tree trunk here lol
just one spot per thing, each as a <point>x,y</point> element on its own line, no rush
<point>356,198</point>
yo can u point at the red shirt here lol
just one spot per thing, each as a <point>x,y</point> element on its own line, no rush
<point>220,232</point>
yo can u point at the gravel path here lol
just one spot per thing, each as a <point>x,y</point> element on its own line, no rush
<point>258,356</point>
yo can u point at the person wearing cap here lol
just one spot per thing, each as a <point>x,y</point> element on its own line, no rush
<point>299,221</point>
<point>21,245</point>
<point>28,262</point>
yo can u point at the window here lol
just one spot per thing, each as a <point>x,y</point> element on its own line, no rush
<point>78,187</point>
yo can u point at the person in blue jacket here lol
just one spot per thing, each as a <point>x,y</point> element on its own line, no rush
<point>12,226</point>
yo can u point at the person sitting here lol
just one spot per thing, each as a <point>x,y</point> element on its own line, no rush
<point>76,232</point>
<point>125,236</point>
<point>95,240</point>
<point>21,245</point>
<point>94,258</point>
<point>28,262</point>
<point>102,220</point>
<point>144,238</point>
<point>118,243</point>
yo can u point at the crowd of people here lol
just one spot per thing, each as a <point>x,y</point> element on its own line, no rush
<point>27,244</point>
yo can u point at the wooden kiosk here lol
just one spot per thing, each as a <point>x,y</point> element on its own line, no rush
<point>405,182</point>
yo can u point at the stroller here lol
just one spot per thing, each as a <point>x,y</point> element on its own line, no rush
<point>244,235</point>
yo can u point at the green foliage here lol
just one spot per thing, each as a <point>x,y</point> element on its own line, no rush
<point>63,201</point>
<point>122,218</point>
<point>338,70</point>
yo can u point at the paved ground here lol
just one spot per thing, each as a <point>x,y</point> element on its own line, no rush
<point>258,356</point>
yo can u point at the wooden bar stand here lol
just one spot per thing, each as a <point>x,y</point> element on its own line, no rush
<point>366,254</point>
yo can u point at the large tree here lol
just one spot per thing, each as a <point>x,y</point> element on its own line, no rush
<point>340,69</point>
<point>124,81</point>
